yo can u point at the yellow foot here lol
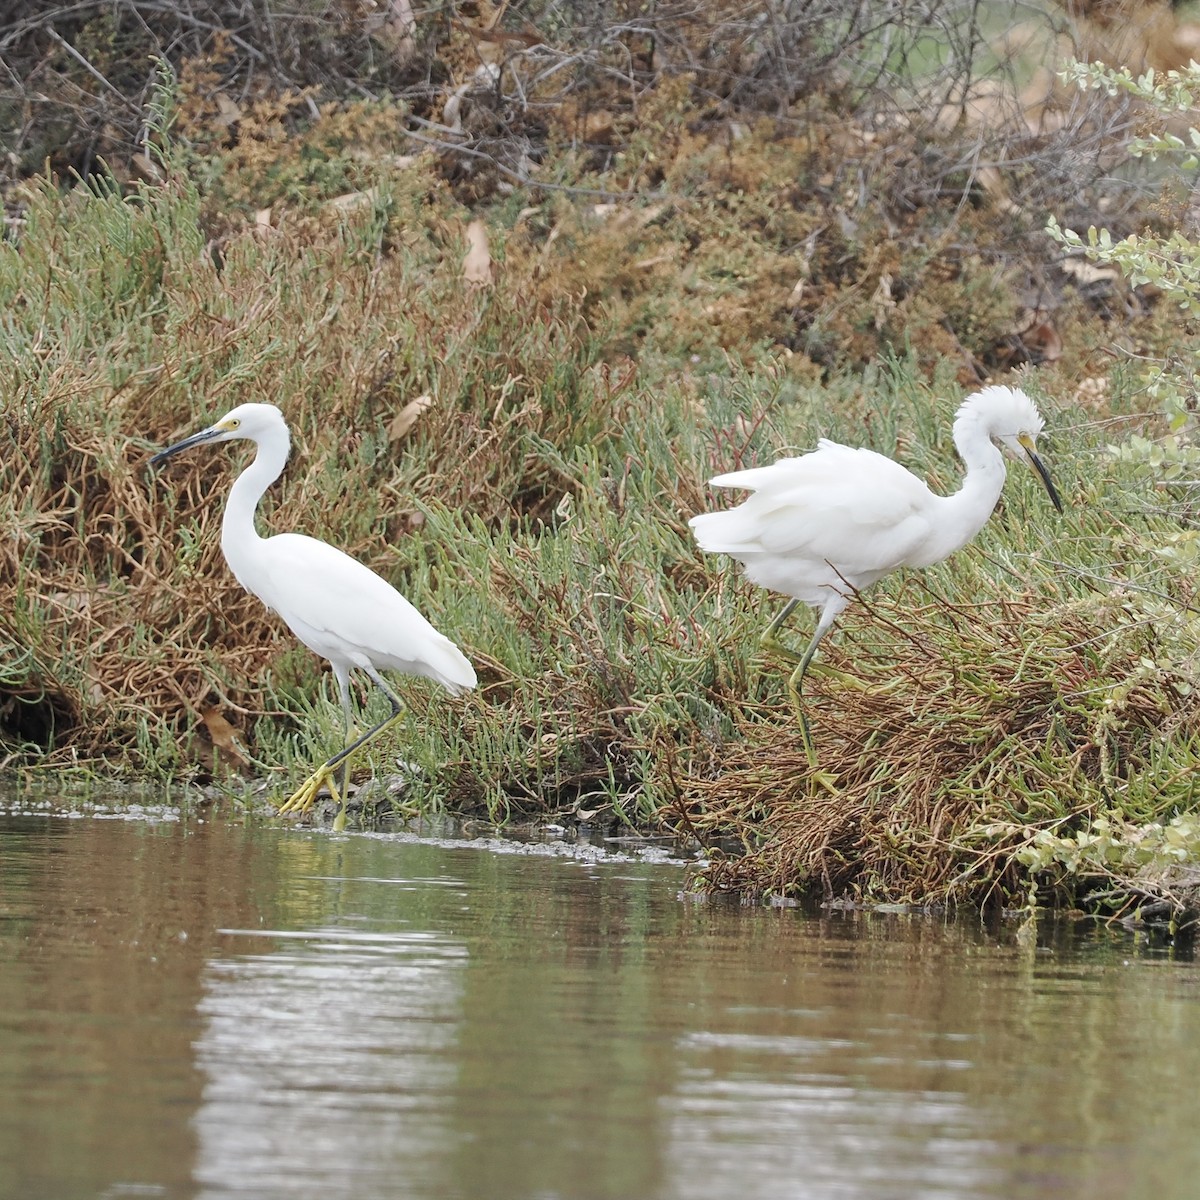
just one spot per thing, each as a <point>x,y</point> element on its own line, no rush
<point>843,677</point>
<point>825,779</point>
<point>771,646</point>
<point>305,796</point>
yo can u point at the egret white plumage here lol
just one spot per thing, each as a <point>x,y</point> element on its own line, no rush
<point>828,524</point>
<point>337,607</point>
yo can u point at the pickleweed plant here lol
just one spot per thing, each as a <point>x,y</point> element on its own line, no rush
<point>1170,263</point>
<point>1155,557</point>
<point>1167,263</point>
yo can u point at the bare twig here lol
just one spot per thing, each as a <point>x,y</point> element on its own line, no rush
<point>91,70</point>
<point>520,177</point>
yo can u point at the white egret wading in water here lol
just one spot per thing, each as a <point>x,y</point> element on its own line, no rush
<point>825,525</point>
<point>338,608</point>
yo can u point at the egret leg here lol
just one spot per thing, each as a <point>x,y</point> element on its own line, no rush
<point>342,673</point>
<point>770,638</point>
<point>770,641</point>
<point>343,677</point>
<point>302,799</point>
<point>796,684</point>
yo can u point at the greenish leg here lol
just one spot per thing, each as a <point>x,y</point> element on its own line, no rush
<point>303,798</point>
<point>343,677</point>
<point>770,642</point>
<point>796,688</point>
<point>770,638</point>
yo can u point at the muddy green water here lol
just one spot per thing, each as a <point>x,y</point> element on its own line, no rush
<point>198,1009</point>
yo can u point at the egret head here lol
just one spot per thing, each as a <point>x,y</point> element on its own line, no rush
<point>1009,418</point>
<point>253,421</point>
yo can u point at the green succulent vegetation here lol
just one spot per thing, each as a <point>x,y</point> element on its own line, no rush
<point>1148,847</point>
<point>1017,724</point>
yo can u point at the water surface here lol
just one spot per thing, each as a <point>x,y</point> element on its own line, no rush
<point>195,1008</point>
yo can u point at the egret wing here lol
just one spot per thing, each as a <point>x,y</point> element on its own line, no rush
<point>344,611</point>
<point>851,507</point>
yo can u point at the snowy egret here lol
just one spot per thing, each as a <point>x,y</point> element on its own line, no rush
<point>821,527</point>
<point>338,608</point>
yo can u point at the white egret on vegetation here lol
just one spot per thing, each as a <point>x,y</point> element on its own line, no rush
<point>340,609</point>
<point>828,524</point>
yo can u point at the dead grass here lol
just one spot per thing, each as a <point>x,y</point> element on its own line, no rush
<point>107,556</point>
<point>681,286</point>
<point>930,746</point>
<point>970,729</point>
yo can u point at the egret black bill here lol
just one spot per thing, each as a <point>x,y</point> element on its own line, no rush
<point>1040,468</point>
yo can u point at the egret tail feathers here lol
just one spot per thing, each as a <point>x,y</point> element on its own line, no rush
<point>446,663</point>
<point>727,532</point>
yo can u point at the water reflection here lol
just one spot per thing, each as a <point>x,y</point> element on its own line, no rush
<point>201,1009</point>
<point>788,1114</point>
<point>329,1057</point>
